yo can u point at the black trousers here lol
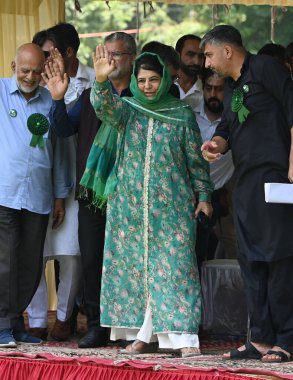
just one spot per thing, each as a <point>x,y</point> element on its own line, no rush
<point>91,235</point>
<point>268,287</point>
<point>22,236</point>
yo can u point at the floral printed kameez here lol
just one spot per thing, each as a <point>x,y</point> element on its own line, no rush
<point>149,255</point>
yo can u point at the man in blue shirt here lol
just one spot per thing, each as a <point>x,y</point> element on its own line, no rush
<point>26,189</point>
<point>62,244</point>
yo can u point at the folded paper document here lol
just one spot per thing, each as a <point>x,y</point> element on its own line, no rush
<point>279,192</point>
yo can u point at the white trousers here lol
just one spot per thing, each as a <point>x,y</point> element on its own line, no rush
<point>69,277</point>
<point>145,334</point>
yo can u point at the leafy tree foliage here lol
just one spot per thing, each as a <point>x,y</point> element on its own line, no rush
<point>167,22</point>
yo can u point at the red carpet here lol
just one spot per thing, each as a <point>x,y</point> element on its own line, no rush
<point>56,361</point>
<point>65,361</point>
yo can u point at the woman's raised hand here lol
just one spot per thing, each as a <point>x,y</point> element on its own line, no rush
<point>103,63</point>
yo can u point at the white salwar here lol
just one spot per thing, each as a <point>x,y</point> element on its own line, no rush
<point>145,334</point>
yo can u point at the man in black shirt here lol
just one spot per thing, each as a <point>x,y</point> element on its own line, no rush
<point>257,126</point>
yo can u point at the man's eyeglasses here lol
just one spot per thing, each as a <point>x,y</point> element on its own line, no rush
<point>117,54</point>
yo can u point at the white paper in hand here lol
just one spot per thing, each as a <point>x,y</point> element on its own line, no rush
<point>279,192</point>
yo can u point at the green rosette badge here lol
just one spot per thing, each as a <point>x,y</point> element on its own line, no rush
<point>38,125</point>
<point>237,103</point>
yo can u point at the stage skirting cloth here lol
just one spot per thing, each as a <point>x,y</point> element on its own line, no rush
<point>55,361</point>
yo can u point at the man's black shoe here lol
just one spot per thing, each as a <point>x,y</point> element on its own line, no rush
<point>95,337</point>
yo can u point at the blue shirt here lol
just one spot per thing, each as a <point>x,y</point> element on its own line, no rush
<point>26,179</point>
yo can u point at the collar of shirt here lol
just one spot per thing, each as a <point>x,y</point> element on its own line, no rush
<point>231,82</point>
<point>14,88</point>
<point>125,92</point>
<point>245,64</point>
<point>84,72</point>
<point>197,87</point>
<point>84,79</point>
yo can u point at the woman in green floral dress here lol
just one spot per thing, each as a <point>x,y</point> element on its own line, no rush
<point>150,283</point>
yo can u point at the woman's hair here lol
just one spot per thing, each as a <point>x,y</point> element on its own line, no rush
<point>148,62</point>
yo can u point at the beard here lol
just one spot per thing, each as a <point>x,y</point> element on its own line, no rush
<point>190,70</point>
<point>120,72</point>
<point>219,73</point>
<point>25,89</point>
<point>214,105</point>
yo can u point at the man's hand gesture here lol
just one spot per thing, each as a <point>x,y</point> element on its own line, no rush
<point>213,149</point>
<point>103,63</point>
<point>54,77</point>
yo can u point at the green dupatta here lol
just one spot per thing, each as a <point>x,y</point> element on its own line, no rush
<point>100,176</point>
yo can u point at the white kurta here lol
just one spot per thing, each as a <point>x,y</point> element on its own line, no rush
<point>64,240</point>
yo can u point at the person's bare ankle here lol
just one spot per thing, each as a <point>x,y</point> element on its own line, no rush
<point>139,345</point>
<point>263,348</point>
<point>190,350</point>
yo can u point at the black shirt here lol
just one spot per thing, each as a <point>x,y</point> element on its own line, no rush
<point>260,148</point>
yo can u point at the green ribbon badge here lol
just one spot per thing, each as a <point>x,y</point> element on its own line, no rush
<point>237,103</point>
<point>38,125</point>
